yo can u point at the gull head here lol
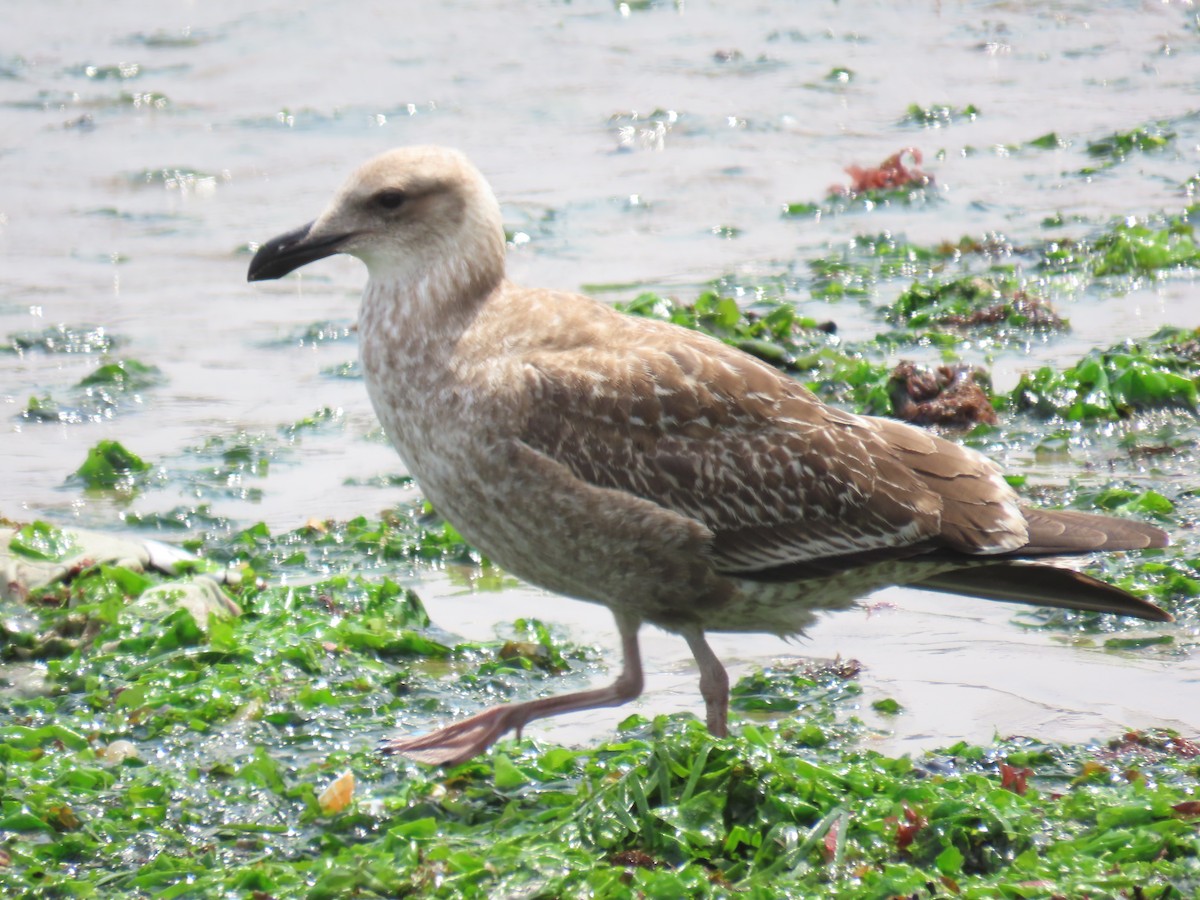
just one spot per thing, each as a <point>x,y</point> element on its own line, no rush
<point>414,213</point>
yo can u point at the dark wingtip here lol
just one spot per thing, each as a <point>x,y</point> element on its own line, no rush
<point>1043,585</point>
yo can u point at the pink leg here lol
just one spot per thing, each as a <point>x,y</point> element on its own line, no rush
<point>466,739</point>
<point>714,682</point>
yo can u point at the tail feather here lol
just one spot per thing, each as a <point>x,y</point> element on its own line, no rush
<point>1063,531</point>
<point>1041,585</point>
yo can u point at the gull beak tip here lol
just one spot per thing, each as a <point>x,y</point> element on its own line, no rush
<point>288,252</point>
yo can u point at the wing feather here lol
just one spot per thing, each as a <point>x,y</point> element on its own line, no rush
<point>777,476</point>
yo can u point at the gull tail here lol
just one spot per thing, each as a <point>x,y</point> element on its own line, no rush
<point>1056,532</point>
<point>1041,585</point>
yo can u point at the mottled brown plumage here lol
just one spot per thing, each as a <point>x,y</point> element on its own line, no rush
<point>647,467</point>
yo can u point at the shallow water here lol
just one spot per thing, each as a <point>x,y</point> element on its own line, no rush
<point>143,149</point>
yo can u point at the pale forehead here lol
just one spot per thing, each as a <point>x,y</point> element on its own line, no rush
<point>408,166</point>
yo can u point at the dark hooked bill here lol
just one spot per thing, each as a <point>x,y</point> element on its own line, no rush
<point>288,252</point>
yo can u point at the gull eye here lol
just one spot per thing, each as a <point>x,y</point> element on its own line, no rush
<point>389,199</point>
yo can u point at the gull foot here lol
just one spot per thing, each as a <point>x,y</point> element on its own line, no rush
<point>455,743</point>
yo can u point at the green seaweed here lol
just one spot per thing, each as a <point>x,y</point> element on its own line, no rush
<point>972,301</point>
<point>847,379</point>
<point>771,330</point>
<point>887,707</point>
<point>663,810</point>
<point>230,465</point>
<point>123,375</point>
<point>163,759</point>
<point>109,389</point>
<point>1122,144</point>
<point>1140,249</point>
<point>41,540</point>
<point>1112,384</point>
<point>1048,141</point>
<point>802,210</point>
<point>110,466</point>
<point>835,278</point>
<point>63,339</point>
<point>938,115</point>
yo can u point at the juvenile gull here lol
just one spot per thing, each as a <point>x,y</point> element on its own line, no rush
<point>647,467</point>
